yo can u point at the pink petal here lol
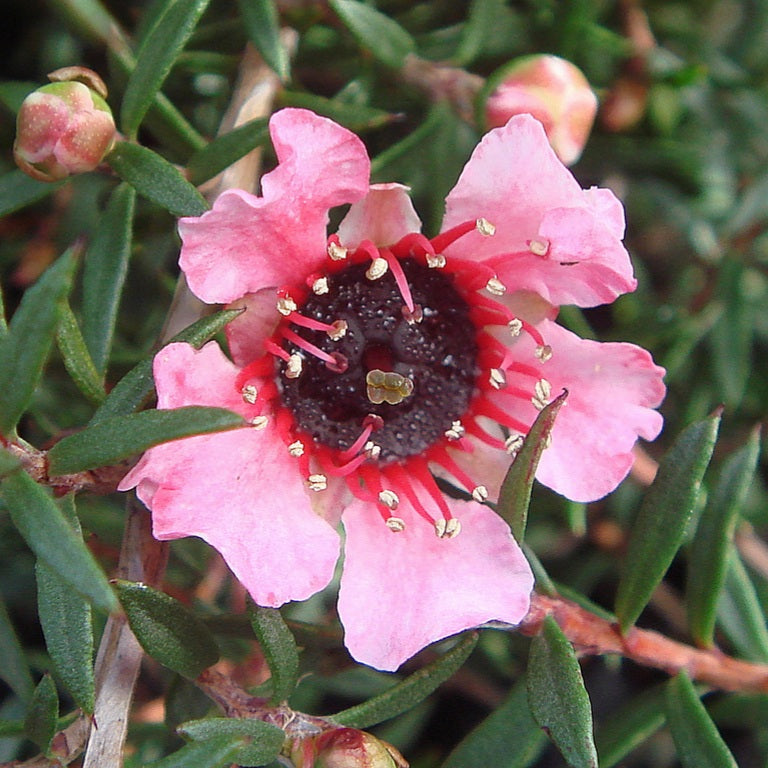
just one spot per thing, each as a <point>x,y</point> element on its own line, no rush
<point>245,242</point>
<point>515,180</point>
<point>239,490</point>
<point>42,118</point>
<point>247,332</point>
<point>383,216</point>
<point>613,389</point>
<point>401,591</point>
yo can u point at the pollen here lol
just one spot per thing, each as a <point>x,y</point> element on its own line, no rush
<point>436,260</point>
<point>480,493</point>
<point>497,378</point>
<point>495,287</point>
<point>539,247</point>
<point>542,391</point>
<point>447,529</point>
<point>456,431</point>
<point>338,330</point>
<point>395,524</point>
<point>296,448</point>
<point>250,393</point>
<point>378,269</point>
<point>320,286</point>
<point>259,422</point>
<point>389,499</point>
<point>485,228</point>
<point>294,366</point>
<point>543,352</point>
<point>317,482</point>
<point>515,326</point>
<point>514,443</point>
<point>286,305</point>
<point>337,252</point>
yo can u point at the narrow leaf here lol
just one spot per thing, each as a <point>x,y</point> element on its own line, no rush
<point>663,517</point>
<point>380,35</point>
<point>77,359</point>
<point>14,670</point>
<point>515,494</point>
<point>66,621</point>
<point>279,648</point>
<point>104,271</point>
<point>698,743</point>
<point>167,630</point>
<point>24,350</point>
<point>43,714</point>
<point>630,726</point>
<point>262,25</point>
<point>113,440</point>
<point>264,741</point>
<point>227,149</point>
<point>356,117</point>
<point>411,691</point>
<point>508,738</point>
<point>482,23</point>
<point>155,58</point>
<point>48,534</point>
<point>131,391</point>
<point>18,190</point>
<point>708,556</point>
<point>156,179</point>
<point>557,697</point>
<point>214,753</point>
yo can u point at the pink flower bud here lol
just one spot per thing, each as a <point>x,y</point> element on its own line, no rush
<point>346,748</point>
<point>64,127</point>
<point>552,90</point>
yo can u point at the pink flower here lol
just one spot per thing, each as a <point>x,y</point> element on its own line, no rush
<point>370,361</point>
<point>551,89</point>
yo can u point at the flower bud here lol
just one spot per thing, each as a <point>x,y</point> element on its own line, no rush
<point>552,90</point>
<point>64,127</point>
<point>346,748</point>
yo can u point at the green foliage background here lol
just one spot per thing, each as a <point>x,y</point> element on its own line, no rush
<point>692,170</point>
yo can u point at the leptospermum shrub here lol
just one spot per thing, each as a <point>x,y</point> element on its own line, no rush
<point>392,388</point>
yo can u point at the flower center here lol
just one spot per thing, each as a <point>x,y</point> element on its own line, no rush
<point>416,377</point>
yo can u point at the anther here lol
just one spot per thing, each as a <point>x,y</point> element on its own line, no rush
<point>496,287</point>
<point>294,366</point>
<point>395,524</point>
<point>389,499</point>
<point>497,378</point>
<point>543,352</point>
<point>435,261</point>
<point>485,228</point>
<point>286,305</point>
<point>456,432</point>
<point>337,252</point>
<point>541,393</point>
<point>320,286</point>
<point>514,443</point>
<point>515,326</point>
<point>337,330</point>
<point>250,393</point>
<point>378,269</point>
<point>480,493</point>
<point>447,529</point>
<point>387,387</point>
<point>371,450</point>
<point>317,482</point>
<point>260,422</point>
<point>413,316</point>
<point>538,247</point>
<point>296,448</point>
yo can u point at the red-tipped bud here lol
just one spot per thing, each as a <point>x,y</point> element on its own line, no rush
<point>65,127</point>
<point>551,89</point>
<point>346,748</point>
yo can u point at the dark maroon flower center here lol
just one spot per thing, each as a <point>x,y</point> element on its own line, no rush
<point>437,354</point>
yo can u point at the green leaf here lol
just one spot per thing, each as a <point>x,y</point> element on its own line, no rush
<point>43,714</point>
<point>740,615</point>
<point>227,149</point>
<point>11,728</point>
<point>131,391</point>
<point>14,669</point>
<point>508,738</point>
<point>66,621</point>
<point>356,117</point>
<point>708,555</point>
<point>409,692</point>
<point>214,753</point>
<point>557,697</point>
<point>279,648</point>
<point>698,743</point>
<point>156,179</point>
<point>482,23</point>
<point>663,517</point>
<point>155,58</point>
<point>630,726</point>
<point>167,630</point>
<point>378,34</point>
<point>515,494</point>
<point>48,534</point>
<point>24,350</point>
<point>18,190</point>
<point>264,741</point>
<point>8,463</point>
<point>262,25</point>
<point>104,271</point>
<point>77,359</point>
<point>113,440</point>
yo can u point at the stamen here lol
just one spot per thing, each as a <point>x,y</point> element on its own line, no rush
<point>395,524</point>
<point>400,279</point>
<point>276,350</point>
<point>399,478</point>
<point>317,482</point>
<point>296,448</point>
<point>496,287</point>
<point>336,251</point>
<point>543,352</point>
<point>335,330</point>
<point>480,493</point>
<point>307,346</point>
<point>286,305</point>
<point>497,378</point>
<point>515,326</point>
<point>456,431</point>
<point>485,408</point>
<point>415,316</point>
<point>413,244</point>
<point>377,269</point>
<point>250,394</point>
<point>442,457</point>
<point>259,422</point>
<point>485,228</point>
<point>450,236</point>
<point>436,261</point>
<point>387,387</point>
<point>542,390</point>
<point>293,366</point>
<point>539,247</point>
<point>371,423</point>
<point>447,529</point>
<point>389,499</point>
<point>320,286</point>
<point>371,450</point>
<point>477,431</point>
<point>514,443</point>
